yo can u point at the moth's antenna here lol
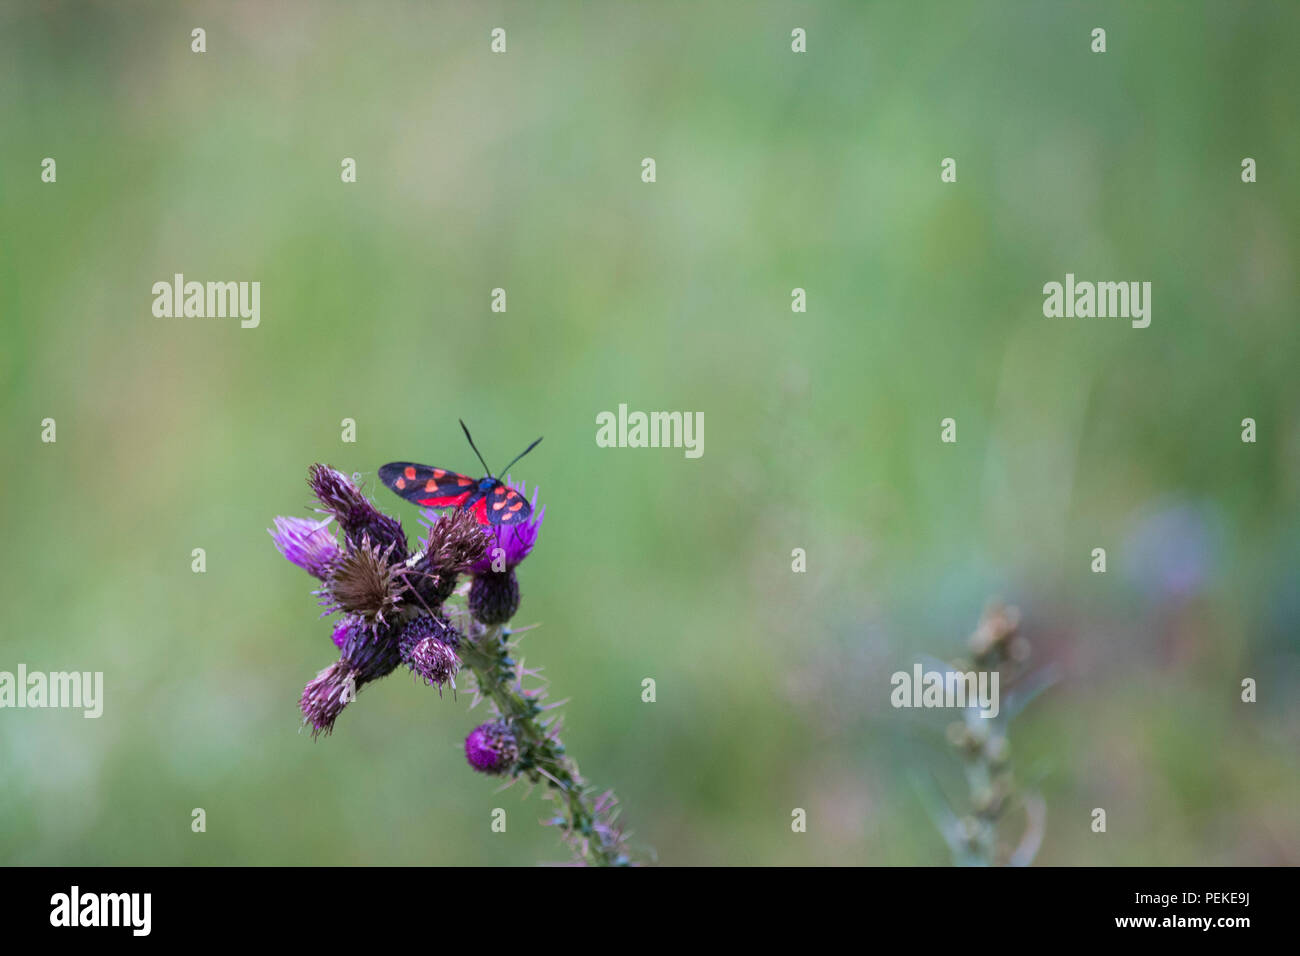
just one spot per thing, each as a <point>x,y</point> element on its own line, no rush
<point>521,455</point>
<point>475,447</point>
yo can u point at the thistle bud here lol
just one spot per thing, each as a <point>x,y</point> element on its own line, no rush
<point>371,653</point>
<point>494,597</point>
<point>432,586</point>
<point>491,748</point>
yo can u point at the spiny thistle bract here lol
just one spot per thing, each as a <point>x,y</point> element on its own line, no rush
<point>394,609</point>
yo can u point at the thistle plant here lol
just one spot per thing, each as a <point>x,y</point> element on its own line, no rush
<point>979,829</point>
<point>443,611</point>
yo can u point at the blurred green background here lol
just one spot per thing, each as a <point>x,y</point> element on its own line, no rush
<point>775,171</point>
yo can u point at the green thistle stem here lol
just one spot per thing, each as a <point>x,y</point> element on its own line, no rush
<point>582,815</point>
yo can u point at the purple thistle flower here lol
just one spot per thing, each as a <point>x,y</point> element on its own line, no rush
<point>491,748</point>
<point>392,610</point>
<point>494,593</point>
<point>344,630</point>
<point>307,543</point>
<point>510,544</point>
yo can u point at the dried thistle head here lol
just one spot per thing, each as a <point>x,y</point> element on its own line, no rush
<point>454,543</point>
<point>363,583</point>
<point>356,515</point>
<point>427,645</point>
<point>325,696</point>
<point>367,656</point>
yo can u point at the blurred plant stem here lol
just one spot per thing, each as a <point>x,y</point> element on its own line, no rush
<point>585,817</point>
<point>985,750</point>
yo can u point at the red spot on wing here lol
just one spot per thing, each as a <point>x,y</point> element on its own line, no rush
<point>409,472</point>
<point>400,483</point>
<point>445,501</point>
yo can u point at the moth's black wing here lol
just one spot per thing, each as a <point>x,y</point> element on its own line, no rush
<point>505,506</point>
<point>427,486</point>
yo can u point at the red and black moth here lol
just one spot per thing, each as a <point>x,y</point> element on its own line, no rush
<point>490,499</point>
